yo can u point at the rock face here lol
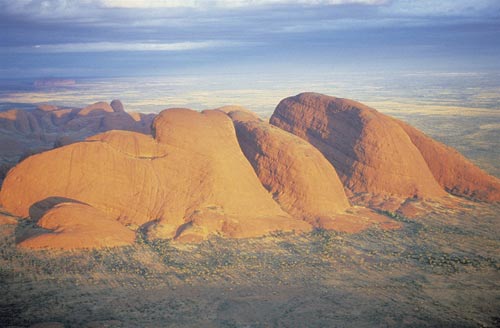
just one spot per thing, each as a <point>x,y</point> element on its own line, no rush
<point>27,131</point>
<point>227,172</point>
<point>95,109</point>
<point>301,180</point>
<point>452,170</point>
<point>189,181</point>
<point>370,151</point>
<point>380,155</point>
<point>117,106</point>
<point>77,225</point>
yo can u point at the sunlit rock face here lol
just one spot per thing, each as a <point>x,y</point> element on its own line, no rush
<point>455,173</point>
<point>226,172</point>
<point>25,132</point>
<point>188,181</point>
<point>370,151</point>
<point>377,154</point>
<point>301,180</point>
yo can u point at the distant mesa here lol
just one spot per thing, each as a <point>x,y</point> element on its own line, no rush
<point>47,108</point>
<point>97,108</point>
<point>376,154</point>
<point>320,164</point>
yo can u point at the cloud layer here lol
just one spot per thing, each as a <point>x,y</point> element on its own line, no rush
<point>54,35</point>
<point>226,3</point>
<point>123,46</point>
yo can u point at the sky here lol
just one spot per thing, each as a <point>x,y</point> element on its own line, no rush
<point>126,38</point>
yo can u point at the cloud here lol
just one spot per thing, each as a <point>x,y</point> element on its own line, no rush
<point>444,8</point>
<point>82,7</point>
<point>227,3</point>
<point>124,46</point>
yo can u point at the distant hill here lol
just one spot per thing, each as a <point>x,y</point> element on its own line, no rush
<point>24,132</point>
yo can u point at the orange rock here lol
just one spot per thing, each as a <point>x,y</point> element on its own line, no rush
<point>190,181</point>
<point>97,108</point>
<point>76,225</point>
<point>46,108</point>
<point>233,192</point>
<point>25,131</point>
<point>302,181</point>
<point>369,150</point>
<point>452,170</point>
<point>10,114</point>
<point>6,219</point>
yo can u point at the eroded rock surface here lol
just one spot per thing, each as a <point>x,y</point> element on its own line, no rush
<point>24,132</point>
<point>189,181</point>
<point>301,180</point>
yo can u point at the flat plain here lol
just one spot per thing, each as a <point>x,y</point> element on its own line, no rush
<point>439,270</point>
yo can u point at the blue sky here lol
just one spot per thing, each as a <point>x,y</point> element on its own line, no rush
<point>107,38</point>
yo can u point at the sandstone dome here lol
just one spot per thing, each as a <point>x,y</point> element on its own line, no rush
<point>370,151</point>
<point>189,181</point>
<point>301,180</point>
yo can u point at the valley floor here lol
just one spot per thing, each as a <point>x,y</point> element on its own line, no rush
<point>441,270</point>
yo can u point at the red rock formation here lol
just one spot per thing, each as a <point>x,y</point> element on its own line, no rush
<point>370,151</point>
<point>117,106</point>
<point>302,181</point>
<point>5,219</point>
<point>46,108</point>
<point>452,170</point>
<point>97,108</point>
<point>46,125</point>
<point>77,225</point>
<point>190,181</point>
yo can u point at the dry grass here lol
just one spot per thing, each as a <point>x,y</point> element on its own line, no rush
<point>438,271</point>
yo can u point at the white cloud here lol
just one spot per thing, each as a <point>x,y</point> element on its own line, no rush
<point>226,3</point>
<point>443,8</point>
<point>124,46</point>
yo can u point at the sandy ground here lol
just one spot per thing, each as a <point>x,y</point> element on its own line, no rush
<point>441,270</point>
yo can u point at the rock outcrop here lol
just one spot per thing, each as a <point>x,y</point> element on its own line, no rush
<point>455,173</point>
<point>75,225</point>
<point>227,172</point>
<point>369,150</point>
<point>376,154</point>
<point>117,106</point>
<point>189,181</point>
<point>43,127</point>
<point>95,109</point>
<point>301,180</point>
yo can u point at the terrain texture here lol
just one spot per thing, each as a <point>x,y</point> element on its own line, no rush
<point>441,270</point>
<point>329,214</point>
<point>26,132</point>
<point>226,172</point>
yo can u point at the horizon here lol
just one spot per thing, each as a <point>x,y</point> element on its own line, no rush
<point>249,163</point>
<point>416,60</point>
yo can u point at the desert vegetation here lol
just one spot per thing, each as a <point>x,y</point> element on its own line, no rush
<point>438,270</point>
